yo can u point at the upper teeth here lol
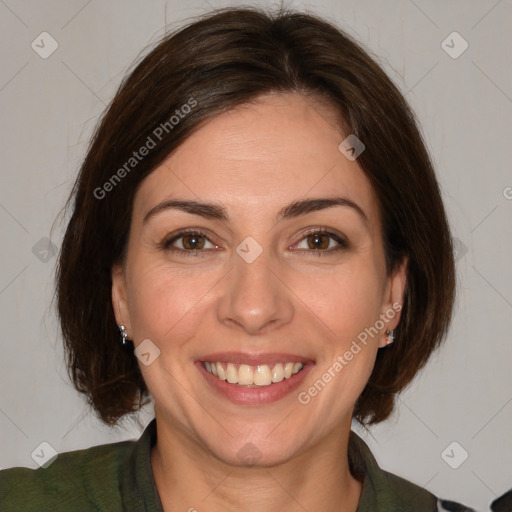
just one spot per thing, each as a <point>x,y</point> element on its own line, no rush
<point>246,375</point>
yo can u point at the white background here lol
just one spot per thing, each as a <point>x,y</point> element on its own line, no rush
<point>50,107</point>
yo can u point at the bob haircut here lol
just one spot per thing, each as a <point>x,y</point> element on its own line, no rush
<point>224,59</point>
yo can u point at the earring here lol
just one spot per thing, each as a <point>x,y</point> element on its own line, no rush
<point>125,342</point>
<point>390,336</point>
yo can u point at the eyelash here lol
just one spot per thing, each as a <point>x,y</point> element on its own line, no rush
<point>166,243</point>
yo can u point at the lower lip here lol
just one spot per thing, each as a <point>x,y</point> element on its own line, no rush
<point>257,395</point>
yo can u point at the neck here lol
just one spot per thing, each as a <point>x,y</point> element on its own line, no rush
<point>188,479</point>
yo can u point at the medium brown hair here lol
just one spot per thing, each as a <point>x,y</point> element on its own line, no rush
<point>222,60</point>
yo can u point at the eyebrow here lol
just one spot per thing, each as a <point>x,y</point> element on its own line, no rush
<point>294,209</point>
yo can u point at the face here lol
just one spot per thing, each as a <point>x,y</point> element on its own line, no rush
<point>268,289</point>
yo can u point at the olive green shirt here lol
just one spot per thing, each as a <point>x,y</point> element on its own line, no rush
<point>118,477</point>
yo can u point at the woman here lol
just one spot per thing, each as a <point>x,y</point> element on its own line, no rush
<point>258,243</point>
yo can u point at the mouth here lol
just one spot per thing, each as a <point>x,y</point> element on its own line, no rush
<point>254,379</point>
<point>252,376</point>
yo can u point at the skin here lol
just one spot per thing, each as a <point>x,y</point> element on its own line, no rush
<point>253,161</point>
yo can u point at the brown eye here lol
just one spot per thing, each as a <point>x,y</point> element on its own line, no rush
<point>319,242</point>
<point>188,243</point>
<point>193,241</point>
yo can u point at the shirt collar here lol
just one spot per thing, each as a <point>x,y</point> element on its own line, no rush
<point>139,488</point>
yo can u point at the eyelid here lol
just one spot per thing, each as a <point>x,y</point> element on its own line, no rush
<point>323,230</point>
<point>168,240</point>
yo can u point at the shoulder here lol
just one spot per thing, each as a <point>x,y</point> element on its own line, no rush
<point>408,496</point>
<point>383,491</point>
<point>78,480</point>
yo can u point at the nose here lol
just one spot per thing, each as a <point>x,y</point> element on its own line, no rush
<point>255,297</point>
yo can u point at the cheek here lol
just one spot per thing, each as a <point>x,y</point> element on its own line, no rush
<point>347,300</point>
<point>349,305</point>
<point>164,299</point>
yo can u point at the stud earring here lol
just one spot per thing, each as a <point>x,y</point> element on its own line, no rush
<point>390,336</point>
<point>124,335</point>
<point>125,342</point>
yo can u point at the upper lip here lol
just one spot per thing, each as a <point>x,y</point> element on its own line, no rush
<point>253,359</point>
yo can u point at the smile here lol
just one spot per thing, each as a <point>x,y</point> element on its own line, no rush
<point>252,376</point>
<point>253,379</point>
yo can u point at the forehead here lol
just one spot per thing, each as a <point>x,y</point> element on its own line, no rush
<point>260,156</point>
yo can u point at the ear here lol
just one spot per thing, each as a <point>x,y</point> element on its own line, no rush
<point>394,299</point>
<point>120,297</point>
